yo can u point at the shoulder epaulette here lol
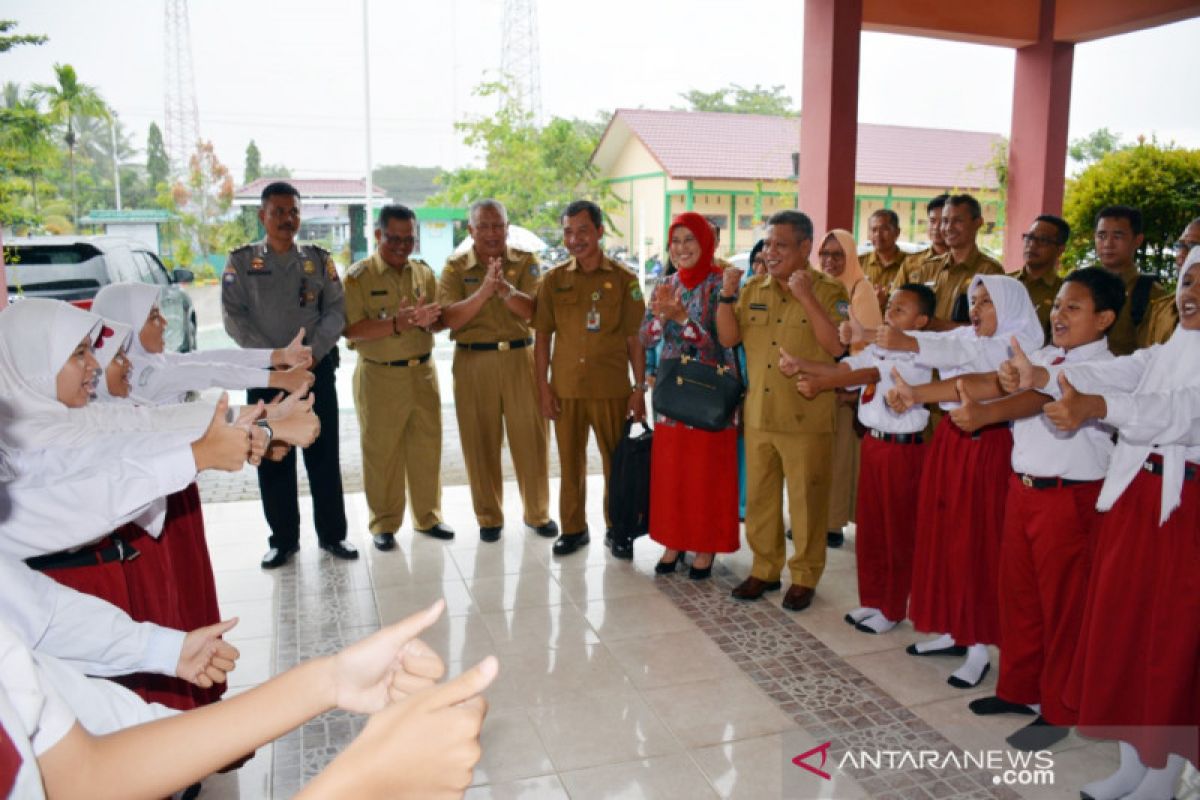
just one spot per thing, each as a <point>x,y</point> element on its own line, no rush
<point>356,269</point>
<point>246,246</point>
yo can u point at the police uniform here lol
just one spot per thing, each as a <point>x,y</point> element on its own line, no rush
<point>950,281</point>
<point>1162,318</point>
<point>266,297</point>
<point>1124,337</point>
<point>880,274</point>
<point>494,390</point>
<point>591,316</point>
<point>396,396</point>
<point>788,438</point>
<point>1042,291</point>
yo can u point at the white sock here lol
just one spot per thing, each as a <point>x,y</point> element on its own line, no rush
<point>972,668</point>
<point>1159,784</point>
<point>1127,777</point>
<point>859,614</point>
<point>878,623</point>
<point>940,643</point>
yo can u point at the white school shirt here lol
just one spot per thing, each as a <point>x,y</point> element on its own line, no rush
<point>168,377</point>
<point>34,716</point>
<point>1042,450</point>
<point>98,704</point>
<point>87,633</point>
<point>953,355</point>
<point>875,412</point>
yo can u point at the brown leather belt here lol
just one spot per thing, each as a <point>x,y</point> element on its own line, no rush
<point>515,344</point>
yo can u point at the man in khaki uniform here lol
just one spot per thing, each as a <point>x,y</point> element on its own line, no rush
<point>917,265</point>
<point>1044,244</point>
<point>788,438</point>
<point>1163,317</point>
<point>886,263</point>
<point>950,274</point>
<point>486,295</point>
<point>589,309</point>
<point>391,315</point>
<point>1118,237</point>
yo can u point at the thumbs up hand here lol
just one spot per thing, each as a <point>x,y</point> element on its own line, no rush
<point>1015,374</point>
<point>901,397</point>
<point>1075,407</point>
<point>969,415</point>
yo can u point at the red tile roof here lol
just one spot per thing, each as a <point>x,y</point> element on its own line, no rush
<point>690,144</point>
<point>310,188</point>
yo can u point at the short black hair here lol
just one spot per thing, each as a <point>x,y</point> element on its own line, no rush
<point>1107,290</point>
<point>889,215</point>
<point>936,203</point>
<point>579,206</point>
<point>391,212</point>
<point>966,200</point>
<point>279,189</point>
<point>799,221</point>
<point>1134,215</point>
<point>926,299</point>
<point>1064,229</point>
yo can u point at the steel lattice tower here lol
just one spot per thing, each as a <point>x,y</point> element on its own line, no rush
<point>181,122</point>
<point>519,59</point>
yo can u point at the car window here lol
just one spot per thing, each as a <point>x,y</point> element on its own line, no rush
<point>121,266</point>
<point>152,268</point>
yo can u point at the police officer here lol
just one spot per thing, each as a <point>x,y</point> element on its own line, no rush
<point>589,310</point>
<point>391,314</point>
<point>788,439</point>
<point>269,290</point>
<point>486,295</point>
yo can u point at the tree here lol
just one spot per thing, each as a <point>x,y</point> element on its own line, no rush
<point>407,185</point>
<point>758,100</point>
<point>158,166</point>
<point>68,100</point>
<point>275,171</point>
<point>253,168</point>
<point>1162,181</point>
<point>8,42</point>
<point>1095,146</point>
<point>535,173</point>
<point>203,203</point>
<point>26,152</point>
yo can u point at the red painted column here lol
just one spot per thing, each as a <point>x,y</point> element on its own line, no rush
<point>829,112</point>
<point>1038,150</point>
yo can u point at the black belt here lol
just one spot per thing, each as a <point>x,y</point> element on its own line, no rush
<point>1154,465</point>
<point>1032,482</point>
<point>406,362</point>
<point>114,549</point>
<point>515,344</point>
<point>896,438</point>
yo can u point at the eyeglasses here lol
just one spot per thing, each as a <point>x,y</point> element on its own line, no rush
<point>831,255</point>
<point>1183,247</point>
<point>1029,238</point>
<point>403,241</point>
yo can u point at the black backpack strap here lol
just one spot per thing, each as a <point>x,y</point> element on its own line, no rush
<point>1139,298</point>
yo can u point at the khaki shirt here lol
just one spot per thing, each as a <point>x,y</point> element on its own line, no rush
<point>374,290</point>
<point>770,318</point>
<point>880,274</point>
<point>1042,292</point>
<point>1162,318</point>
<point>592,316</point>
<point>1122,338</point>
<point>951,281</point>
<point>463,276</point>
<point>917,265</point>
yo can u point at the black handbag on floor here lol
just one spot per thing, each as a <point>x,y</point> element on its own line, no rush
<point>629,483</point>
<point>697,394</point>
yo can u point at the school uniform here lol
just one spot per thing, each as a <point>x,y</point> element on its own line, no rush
<point>892,460</point>
<point>1050,522</point>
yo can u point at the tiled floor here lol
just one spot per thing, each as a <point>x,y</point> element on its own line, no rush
<point>615,683</point>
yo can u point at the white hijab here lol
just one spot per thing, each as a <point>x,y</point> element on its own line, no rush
<point>1174,365</point>
<point>115,337</point>
<point>131,304</point>
<point>1015,314</point>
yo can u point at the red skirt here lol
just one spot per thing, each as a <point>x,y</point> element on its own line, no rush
<point>889,477</point>
<point>106,581</point>
<point>1136,676</point>
<point>694,489</point>
<point>960,523</point>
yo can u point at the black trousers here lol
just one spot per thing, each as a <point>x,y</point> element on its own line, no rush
<point>277,481</point>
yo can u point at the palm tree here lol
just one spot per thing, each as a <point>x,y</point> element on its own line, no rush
<point>67,100</point>
<point>27,131</point>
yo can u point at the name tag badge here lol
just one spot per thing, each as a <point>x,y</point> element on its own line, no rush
<point>379,292</point>
<point>470,280</point>
<point>758,307</point>
<point>593,320</point>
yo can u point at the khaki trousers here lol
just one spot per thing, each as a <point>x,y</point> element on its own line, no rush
<point>843,489</point>
<point>606,419</point>
<point>400,420</point>
<point>494,394</point>
<point>802,460</point>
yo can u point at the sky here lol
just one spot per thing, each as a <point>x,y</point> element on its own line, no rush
<point>290,74</point>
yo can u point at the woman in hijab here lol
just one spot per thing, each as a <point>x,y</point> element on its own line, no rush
<point>693,480</point>
<point>838,259</point>
<point>960,518</point>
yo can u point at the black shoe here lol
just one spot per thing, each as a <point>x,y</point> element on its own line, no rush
<point>1037,735</point>
<point>570,542</point>
<point>835,538</point>
<point>439,531</point>
<point>986,706</point>
<point>278,556</point>
<point>384,541</point>
<point>622,548</point>
<point>490,533</point>
<point>548,530</point>
<point>667,567</point>
<point>699,574</point>
<point>959,683</point>
<point>343,550</point>
<point>952,650</point>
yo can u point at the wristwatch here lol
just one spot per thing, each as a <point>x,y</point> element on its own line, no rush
<point>727,300</point>
<point>266,426</point>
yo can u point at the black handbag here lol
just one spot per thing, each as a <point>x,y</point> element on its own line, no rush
<point>697,394</point>
<point>629,483</point>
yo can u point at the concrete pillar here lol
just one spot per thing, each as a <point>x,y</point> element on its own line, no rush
<point>829,112</point>
<point>1038,149</point>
